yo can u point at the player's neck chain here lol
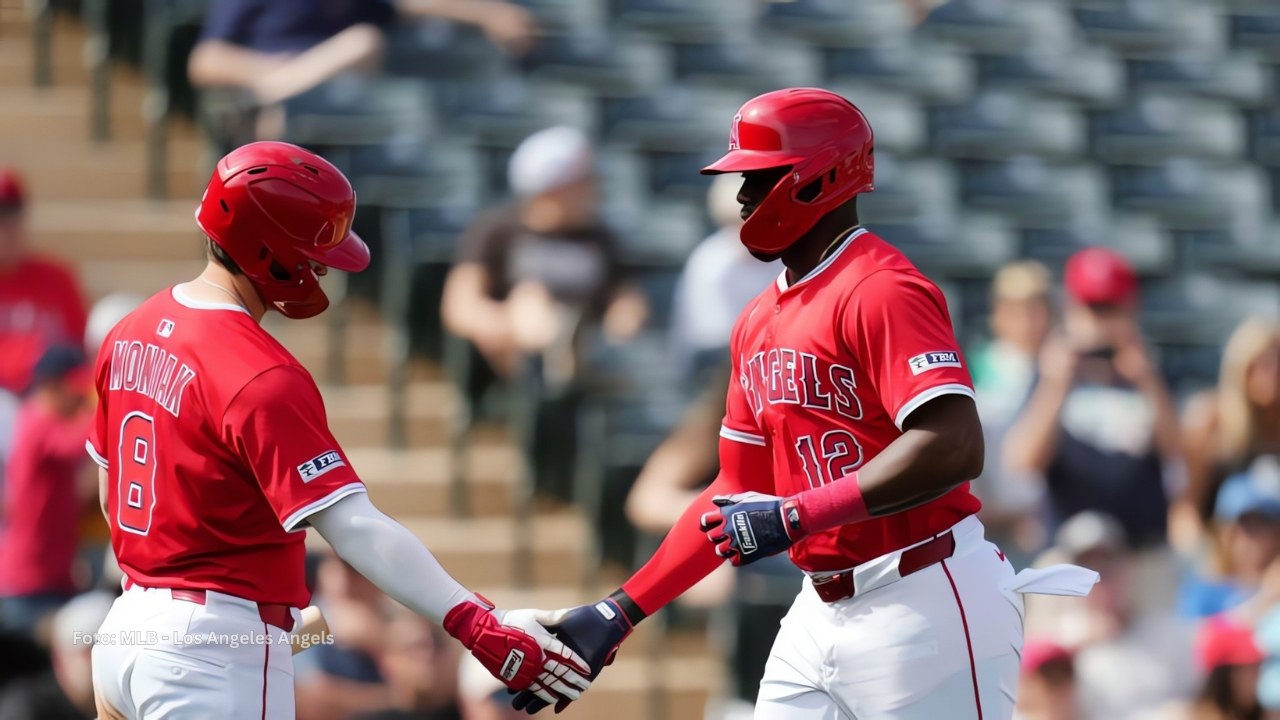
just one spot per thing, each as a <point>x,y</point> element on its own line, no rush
<point>844,235</point>
<point>229,293</point>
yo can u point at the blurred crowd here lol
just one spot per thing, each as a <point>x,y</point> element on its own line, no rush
<point>1093,458</point>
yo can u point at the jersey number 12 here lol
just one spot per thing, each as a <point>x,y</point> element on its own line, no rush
<point>830,457</point>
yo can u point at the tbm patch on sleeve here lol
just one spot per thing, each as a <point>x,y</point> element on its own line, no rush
<point>933,360</point>
<point>319,465</point>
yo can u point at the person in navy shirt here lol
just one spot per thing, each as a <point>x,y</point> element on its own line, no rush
<point>277,49</point>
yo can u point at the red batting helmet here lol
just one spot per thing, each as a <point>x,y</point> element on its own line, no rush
<point>275,208</point>
<point>821,137</point>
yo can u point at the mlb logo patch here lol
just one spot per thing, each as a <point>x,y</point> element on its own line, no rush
<point>934,360</point>
<point>165,329</point>
<point>319,465</point>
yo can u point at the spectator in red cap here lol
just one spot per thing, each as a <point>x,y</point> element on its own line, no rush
<point>1047,690</point>
<point>1230,659</point>
<point>1100,427</point>
<point>40,300</point>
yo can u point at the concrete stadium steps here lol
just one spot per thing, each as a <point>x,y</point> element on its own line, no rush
<point>140,277</point>
<point>85,229</point>
<point>417,482</point>
<point>17,52</point>
<point>63,111</point>
<point>365,366</point>
<point>70,166</point>
<point>481,552</point>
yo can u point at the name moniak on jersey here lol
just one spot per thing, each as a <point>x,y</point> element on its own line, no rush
<point>150,371</point>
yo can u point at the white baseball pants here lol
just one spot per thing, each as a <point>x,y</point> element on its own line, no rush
<point>943,642</point>
<point>159,658</point>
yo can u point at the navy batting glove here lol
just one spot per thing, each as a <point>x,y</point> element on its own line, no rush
<point>592,631</point>
<point>752,526</point>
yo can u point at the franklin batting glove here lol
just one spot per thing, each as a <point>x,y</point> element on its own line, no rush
<point>592,631</point>
<point>518,651</point>
<point>752,526</point>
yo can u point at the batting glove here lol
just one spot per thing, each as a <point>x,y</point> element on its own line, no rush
<point>518,650</point>
<point>752,526</point>
<point>592,631</point>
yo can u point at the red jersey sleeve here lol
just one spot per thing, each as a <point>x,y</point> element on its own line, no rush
<point>740,423</point>
<point>898,327</point>
<point>96,445</point>
<point>277,425</point>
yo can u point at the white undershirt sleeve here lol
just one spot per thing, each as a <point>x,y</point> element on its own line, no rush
<point>389,555</point>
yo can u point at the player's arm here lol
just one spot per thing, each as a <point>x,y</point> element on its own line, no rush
<point>102,492</point>
<point>276,423</point>
<point>684,558</point>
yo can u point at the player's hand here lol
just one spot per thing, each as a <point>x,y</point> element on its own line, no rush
<point>752,526</point>
<point>518,650</point>
<point>592,631</point>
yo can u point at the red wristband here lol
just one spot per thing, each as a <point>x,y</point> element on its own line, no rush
<point>832,505</point>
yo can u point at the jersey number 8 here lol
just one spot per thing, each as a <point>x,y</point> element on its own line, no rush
<point>136,478</point>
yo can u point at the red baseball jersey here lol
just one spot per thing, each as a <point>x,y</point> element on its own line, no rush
<point>826,370</point>
<point>217,450</point>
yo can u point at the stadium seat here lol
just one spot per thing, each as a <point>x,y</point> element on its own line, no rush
<point>1203,309</point>
<point>838,23</point>
<point>1258,30</point>
<point>978,24</point>
<point>676,118</point>
<point>1153,28</point>
<point>998,124</point>
<point>1189,194</point>
<point>1089,75</point>
<point>987,26</point>
<point>1246,245</point>
<point>351,110</point>
<point>900,123</point>
<point>911,191</point>
<point>557,15</point>
<point>972,246</point>
<point>1156,126</point>
<point>599,61</point>
<point>1034,193</point>
<point>746,63</point>
<point>676,174</point>
<point>439,50</point>
<point>686,20</point>
<point>1237,78</point>
<point>409,175</point>
<point>660,233</point>
<point>1266,138</point>
<point>1146,243</point>
<point>510,108</point>
<point>933,72</point>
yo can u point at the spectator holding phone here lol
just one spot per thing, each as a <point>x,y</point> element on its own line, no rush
<point>1100,429</point>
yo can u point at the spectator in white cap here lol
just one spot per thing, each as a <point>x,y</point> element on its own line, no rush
<point>530,274</point>
<point>719,279</point>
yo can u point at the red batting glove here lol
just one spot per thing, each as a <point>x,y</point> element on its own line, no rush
<point>509,653</point>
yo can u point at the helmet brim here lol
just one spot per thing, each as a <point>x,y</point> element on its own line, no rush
<point>739,161</point>
<point>350,255</point>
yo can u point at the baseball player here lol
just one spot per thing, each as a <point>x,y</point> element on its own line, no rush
<point>849,438</point>
<point>215,456</point>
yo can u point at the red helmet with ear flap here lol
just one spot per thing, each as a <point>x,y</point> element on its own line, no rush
<point>275,208</point>
<point>822,138</point>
